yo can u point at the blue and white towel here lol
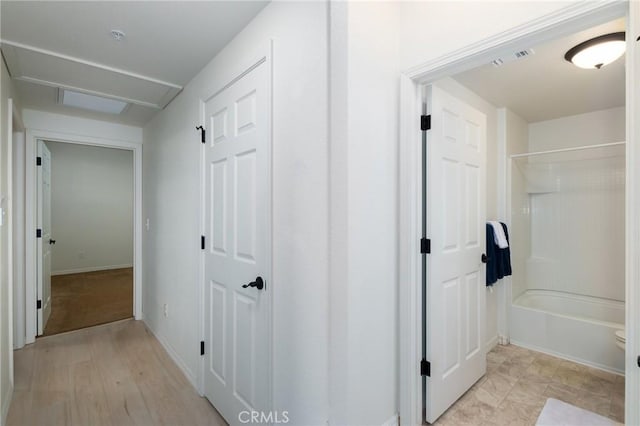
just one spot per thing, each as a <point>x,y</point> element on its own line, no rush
<point>498,259</point>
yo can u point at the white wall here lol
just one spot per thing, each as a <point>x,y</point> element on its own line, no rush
<point>6,298</point>
<point>431,29</point>
<point>371,208</point>
<point>300,220</point>
<point>91,208</point>
<point>65,124</point>
<point>593,128</point>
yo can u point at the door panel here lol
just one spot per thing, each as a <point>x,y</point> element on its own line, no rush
<point>44,248</point>
<point>218,327</point>
<point>456,216</point>
<point>237,191</point>
<point>244,197</point>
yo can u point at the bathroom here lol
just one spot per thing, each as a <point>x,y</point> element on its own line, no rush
<point>560,188</point>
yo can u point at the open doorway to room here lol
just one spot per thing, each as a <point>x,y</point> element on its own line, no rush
<point>560,131</point>
<point>85,255</point>
<point>551,336</point>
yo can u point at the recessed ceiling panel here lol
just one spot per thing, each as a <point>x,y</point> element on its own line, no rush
<point>90,102</point>
<point>44,98</point>
<point>50,70</point>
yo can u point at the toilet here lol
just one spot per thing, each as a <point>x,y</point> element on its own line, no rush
<point>620,339</point>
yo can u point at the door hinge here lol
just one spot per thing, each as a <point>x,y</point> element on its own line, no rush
<point>39,304</point>
<point>202,242</point>
<point>38,161</point>
<point>425,368</point>
<point>425,245</point>
<point>38,233</point>
<point>425,122</point>
<point>202,347</point>
<point>203,137</point>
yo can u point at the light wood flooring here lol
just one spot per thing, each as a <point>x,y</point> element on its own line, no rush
<point>518,383</point>
<point>119,374</point>
<point>90,298</point>
<point>116,374</point>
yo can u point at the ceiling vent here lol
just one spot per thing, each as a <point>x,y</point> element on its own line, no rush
<point>520,54</point>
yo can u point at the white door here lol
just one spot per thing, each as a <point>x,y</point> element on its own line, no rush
<point>237,226</point>
<point>456,216</point>
<point>44,242</point>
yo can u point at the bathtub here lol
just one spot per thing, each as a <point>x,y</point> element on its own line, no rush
<point>574,327</point>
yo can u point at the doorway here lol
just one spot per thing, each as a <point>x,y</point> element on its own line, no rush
<point>31,290</point>
<point>411,389</point>
<point>85,213</point>
<point>237,285</point>
<point>563,134</point>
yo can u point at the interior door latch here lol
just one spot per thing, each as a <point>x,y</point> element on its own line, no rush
<point>258,283</point>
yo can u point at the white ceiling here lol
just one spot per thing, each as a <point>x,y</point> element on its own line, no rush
<point>165,46</point>
<point>545,86</point>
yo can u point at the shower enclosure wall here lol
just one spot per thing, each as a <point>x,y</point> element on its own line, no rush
<point>568,252</point>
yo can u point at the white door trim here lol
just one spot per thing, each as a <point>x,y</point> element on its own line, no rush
<point>8,226</point>
<point>563,22</point>
<point>17,310</point>
<point>32,136</point>
<point>632,259</point>
<point>263,54</point>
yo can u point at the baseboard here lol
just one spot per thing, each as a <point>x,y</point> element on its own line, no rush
<point>5,405</point>
<point>393,421</point>
<point>491,343</point>
<point>568,358</point>
<point>174,356</point>
<point>91,269</point>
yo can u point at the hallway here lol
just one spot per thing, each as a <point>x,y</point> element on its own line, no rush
<point>116,374</point>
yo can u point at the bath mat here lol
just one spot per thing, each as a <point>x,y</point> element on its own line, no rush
<point>558,413</point>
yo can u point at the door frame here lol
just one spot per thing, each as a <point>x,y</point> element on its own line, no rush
<point>562,22</point>
<point>32,136</point>
<point>234,71</point>
<point>41,246</point>
<point>14,125</point>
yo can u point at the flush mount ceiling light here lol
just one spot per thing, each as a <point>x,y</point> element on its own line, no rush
<point>90,102</point>
<point>597,52</point>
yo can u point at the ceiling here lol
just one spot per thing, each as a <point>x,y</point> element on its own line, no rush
<point>544,86</point>
<point>49,45</point>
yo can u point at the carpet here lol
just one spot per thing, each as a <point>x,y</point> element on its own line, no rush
<point>88,299</point>
<point>558,413</point>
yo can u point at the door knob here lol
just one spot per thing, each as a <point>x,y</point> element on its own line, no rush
<point>52,241</point>
<point>258,283</point>
<point>484,258</point>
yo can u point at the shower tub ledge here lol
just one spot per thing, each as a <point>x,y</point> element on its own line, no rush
<point>574,327</point>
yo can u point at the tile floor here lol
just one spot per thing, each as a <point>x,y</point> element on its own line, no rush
<point>519,381</point>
